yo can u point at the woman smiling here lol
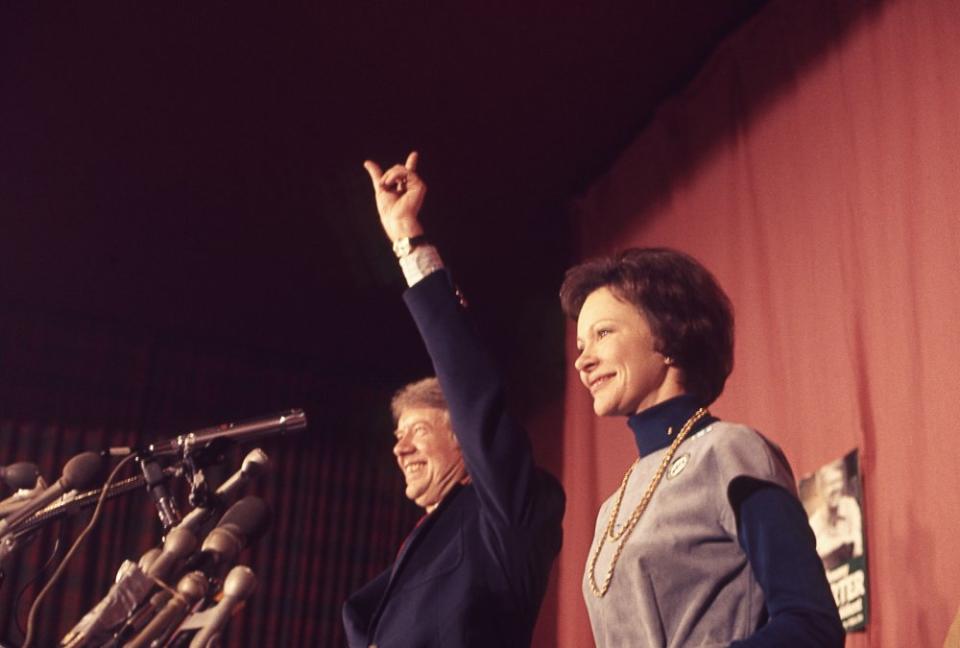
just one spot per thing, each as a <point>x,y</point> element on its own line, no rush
<point>705,542</point>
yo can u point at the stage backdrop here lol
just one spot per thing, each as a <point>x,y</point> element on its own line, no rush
<point>814,166</point>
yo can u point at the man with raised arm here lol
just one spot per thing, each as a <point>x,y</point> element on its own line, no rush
<point>474,570</point>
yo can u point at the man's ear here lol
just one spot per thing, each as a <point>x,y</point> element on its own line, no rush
<point>445,422</point>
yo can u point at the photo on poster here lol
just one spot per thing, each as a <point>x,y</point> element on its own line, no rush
<point>832,498</point>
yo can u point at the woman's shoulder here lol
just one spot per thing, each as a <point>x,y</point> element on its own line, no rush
<point>722,433</point>
<point>739,450</point>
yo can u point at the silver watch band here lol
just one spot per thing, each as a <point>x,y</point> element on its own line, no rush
<point>406,245</point>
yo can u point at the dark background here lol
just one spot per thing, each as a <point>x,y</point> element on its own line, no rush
<point>187,237</point>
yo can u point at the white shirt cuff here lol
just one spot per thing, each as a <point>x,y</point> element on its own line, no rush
<point>423,261</point>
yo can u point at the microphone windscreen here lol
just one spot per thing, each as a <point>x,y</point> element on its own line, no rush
<point>149,557</point>
<point>248,518</point>
<point>180,542</point>
<point>254,462</point>
<point>240,582</point>
<point>20,475</point>
<point>82,471</point>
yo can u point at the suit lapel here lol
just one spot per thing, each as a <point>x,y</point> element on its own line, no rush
<point>361,607</point>
<point>408,552</point>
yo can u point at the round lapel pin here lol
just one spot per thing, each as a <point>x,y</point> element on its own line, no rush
<point>677,466</point>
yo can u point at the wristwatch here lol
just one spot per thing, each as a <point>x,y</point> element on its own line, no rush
<point>406,245</point>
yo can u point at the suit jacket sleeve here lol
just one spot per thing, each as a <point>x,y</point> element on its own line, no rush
<point>496,450</point>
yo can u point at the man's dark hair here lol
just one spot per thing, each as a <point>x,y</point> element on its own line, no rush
<point>688,313</point>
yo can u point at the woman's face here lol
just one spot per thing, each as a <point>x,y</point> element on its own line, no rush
<point>618,363</point>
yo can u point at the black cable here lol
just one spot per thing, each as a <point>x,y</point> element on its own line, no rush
<point>32,617</point>
<point>36,577</point>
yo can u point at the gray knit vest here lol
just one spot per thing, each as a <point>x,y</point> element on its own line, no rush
<point>683,579</point>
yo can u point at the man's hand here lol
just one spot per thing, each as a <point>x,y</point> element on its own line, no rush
<point>399,192</point>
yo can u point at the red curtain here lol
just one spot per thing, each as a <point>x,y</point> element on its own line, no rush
<point>814,166</point>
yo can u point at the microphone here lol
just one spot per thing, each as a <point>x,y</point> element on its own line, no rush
<point>156,481</point>
<point>20,475</point>
<point>21,496</point>
<point>129,588</point>
<point>238,586</point>
<point>134,582</point>
<point>243,523</point>
<point>179,544</point>
<point>79,473</point>
<point>190,589</point>
<point>149,556</point>
<point>76,503</point>
<point>253,464</point>
<point>291,421</point>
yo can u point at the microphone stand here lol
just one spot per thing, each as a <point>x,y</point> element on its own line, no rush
<point>193,459</point>
<point>190,462</point>
<point>156,481</point>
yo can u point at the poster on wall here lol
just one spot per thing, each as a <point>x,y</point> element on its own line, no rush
<point>832,498</point>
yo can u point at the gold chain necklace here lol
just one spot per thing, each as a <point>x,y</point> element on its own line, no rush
<point>623,535</point>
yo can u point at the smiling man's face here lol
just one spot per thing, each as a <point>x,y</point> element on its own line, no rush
<point>428,455</point>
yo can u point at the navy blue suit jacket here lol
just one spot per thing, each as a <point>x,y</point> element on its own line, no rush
<point>474,572</point>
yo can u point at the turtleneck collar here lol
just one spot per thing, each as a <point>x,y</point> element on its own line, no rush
<point>650,426</point>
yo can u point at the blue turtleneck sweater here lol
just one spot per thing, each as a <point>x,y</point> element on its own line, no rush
<point>775,535</point>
